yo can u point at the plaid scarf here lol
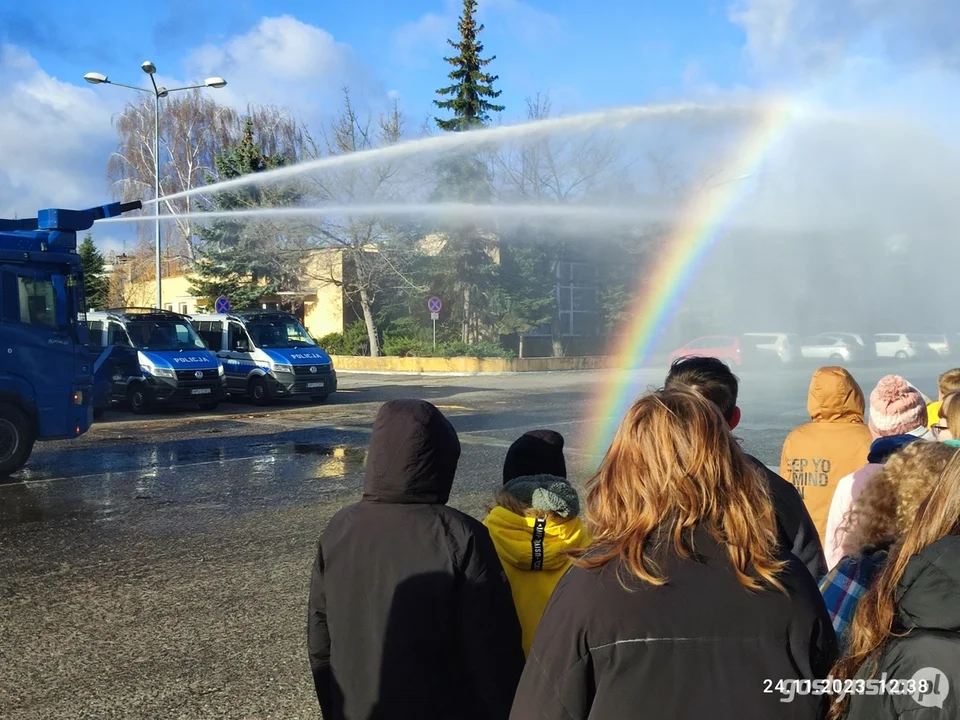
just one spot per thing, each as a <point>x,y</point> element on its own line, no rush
<point>846,583</point>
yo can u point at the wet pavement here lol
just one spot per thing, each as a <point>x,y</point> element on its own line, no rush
<point>157,567</point>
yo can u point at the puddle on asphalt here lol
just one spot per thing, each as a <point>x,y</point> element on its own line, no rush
<point>184,476</point>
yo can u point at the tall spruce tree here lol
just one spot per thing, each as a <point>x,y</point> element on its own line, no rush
<point>465,266</point>
<point>244,260</point>
<point>471,85</point>
<point>96,284</point>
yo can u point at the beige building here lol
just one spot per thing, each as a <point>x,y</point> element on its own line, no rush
<point>320,304</point>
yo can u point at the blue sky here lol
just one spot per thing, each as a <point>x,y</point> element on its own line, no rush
<point>56,129</point>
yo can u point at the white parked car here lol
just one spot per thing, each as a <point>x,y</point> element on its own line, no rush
<point>898,345</point>
<point>867,346</point>
<point>938,344</point>
<point>770,346</point>
<point>827,347</point>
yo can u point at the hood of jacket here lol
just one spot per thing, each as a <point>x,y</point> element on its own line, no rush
<point>515,539</point>
<point>413,455</point>
<point>883,448</point>
<point>835,397</point>
<point>929,590</point>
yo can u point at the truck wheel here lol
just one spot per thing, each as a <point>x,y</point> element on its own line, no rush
<point>209,405</point>
<point>320,398</point>
<point>139,397</point>
<point>258,391</point>
<point>16,440</point>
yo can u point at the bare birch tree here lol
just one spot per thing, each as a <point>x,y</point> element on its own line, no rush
<point>565,169</point>
<point>194,128</point>
<point>376,252</point>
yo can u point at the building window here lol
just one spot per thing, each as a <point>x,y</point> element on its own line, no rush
<point>577,300</point>
<point>183,308</point>
<point>170,308</point>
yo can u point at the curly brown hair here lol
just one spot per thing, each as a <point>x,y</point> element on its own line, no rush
<point>889,502</point>
<point>876,619</point>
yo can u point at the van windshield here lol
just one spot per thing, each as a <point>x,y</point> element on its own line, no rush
<point>164,335</point>
<point>276,334</point>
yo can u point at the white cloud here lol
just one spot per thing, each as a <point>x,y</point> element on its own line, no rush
<point>283,61</point>
<point>427,35</point>
<point>804,35</point>
<point>420,39</point>
<point>57,138</point>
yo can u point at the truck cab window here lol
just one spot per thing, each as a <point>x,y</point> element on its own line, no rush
<point>237,338</point>
<point>37,302</point>
<point>95,330</point>
<point>117,335</point>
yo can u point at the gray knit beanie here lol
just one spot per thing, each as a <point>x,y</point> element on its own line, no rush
<point>547,493</point>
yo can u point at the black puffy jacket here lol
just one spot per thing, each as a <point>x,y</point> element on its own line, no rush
<point>928,604</point>
<point>410,612</point>
<point>700,646</point>
<point>795,527</point>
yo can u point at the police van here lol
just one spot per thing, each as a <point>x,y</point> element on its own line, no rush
<point>268,354</point>
<point>154,357</point>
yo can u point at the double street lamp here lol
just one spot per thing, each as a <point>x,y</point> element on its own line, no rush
<point>158,92</point>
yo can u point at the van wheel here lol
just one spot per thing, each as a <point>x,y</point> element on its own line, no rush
<point>320,398</point>
<point>901,355</point>
<point>258,392</point>
<point>209,405</point>
<point>16,440</point>
<point>139,397</point>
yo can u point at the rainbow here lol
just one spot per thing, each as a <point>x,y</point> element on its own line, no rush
<point>701,225</point>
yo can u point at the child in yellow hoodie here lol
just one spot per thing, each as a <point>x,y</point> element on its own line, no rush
<point>535,523</point>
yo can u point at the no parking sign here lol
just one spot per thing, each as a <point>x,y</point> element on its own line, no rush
<point>434,305</point>
<point>222,305</point>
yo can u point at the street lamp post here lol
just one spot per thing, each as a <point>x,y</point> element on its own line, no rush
<point>157,92</point>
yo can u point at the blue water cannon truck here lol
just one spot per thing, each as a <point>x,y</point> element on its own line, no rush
<point>46,368</point>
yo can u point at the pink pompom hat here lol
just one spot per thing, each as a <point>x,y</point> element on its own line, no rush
<point>896,408</point>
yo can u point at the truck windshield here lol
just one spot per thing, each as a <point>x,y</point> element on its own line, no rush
<point>279,334</point>
<point>163,334</point>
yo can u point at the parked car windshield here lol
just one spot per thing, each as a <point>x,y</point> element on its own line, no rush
<point>277,334</point>
<point>164,335</point>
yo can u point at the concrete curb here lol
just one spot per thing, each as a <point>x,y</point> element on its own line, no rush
<point>452,373</point>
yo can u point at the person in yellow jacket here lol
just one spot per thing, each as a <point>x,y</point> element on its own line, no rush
<point>535,524</point>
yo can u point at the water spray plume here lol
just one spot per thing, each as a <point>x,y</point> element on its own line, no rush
<point>521,212</point>
<point>477,138</point>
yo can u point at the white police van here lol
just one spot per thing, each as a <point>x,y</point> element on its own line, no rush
<point>267,354</point>
<point>154,357</point>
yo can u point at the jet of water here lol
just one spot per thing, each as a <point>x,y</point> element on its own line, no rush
<point>461,211</point>
<point>579,217</point>
<point>617,118</point>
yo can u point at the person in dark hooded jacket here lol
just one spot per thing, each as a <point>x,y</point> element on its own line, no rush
<point>410,612</point>
<point>907,626</point>
<point>713,380</point>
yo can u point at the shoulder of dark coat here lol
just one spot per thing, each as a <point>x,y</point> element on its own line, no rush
<point>460,529</point>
